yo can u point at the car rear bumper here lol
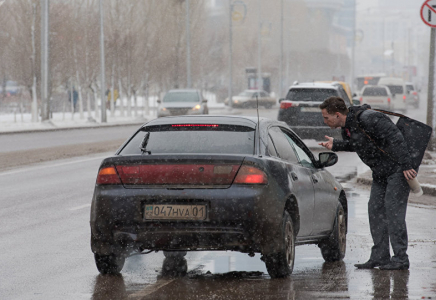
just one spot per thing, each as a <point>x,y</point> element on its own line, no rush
<point>238,218</point>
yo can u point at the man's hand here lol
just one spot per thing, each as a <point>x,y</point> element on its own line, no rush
<point>328,144</point>
<point>410,174</point>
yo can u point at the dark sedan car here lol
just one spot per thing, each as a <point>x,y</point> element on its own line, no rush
<point>194,183</point>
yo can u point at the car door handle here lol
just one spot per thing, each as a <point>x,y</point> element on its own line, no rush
<point>294,176</point>
<point>314,179</point>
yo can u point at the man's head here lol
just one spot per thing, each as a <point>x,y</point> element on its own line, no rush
<point>334,112</point>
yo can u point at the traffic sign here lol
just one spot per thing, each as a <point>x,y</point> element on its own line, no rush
<point>428,13</point>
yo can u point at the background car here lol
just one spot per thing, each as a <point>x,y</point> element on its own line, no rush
<point>412,95</point>
<point>182,102</point>
<point>248,99</point>
<point>378,96</point>
<point>300,109</point>
<point>195,183</point>
<point>398,91</point>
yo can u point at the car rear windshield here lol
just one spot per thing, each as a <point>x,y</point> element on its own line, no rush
<point>374,91</point>
<point>193,139</point>
<point>310,95</point>
<point>410,87</point>
<point>395,89</point>
<point>181,97</point>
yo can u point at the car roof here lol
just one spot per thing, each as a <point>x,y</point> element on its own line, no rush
<point>314,85</point>
<point>183,91</point>
<point>375,86</point>
<point>249,121</point>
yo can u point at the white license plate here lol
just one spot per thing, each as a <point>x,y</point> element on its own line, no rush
<point>175,212</point>
<point>310,109</point>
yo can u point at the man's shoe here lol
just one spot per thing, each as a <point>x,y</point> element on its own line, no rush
<point>395,266</point>
<point>370,264</point>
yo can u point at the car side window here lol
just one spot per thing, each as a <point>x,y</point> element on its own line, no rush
<point>303,157</point>
<point>283,147</point>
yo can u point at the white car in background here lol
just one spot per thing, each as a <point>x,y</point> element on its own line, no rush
<point>182,102</point>
<point>378,96</point>
<point>412,95</point>
<point>398,90</point>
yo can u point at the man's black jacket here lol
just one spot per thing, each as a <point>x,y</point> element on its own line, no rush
<point>386,136</point>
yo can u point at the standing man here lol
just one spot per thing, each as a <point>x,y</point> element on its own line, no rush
<point>381,146</point>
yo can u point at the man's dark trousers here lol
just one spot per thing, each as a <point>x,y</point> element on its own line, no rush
<point>387,217</point>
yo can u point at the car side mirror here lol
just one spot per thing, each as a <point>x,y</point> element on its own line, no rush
<point>327,159</point>
<point>281,99</point>
<point>158,101</point>
<point>356,102</point>
<point>204,101</point>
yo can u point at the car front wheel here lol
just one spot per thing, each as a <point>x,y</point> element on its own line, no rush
<point>109,264</point>
<point>333,249</point>
<point>281,264</point>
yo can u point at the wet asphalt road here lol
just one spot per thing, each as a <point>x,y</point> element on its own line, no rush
<point>45,250</point>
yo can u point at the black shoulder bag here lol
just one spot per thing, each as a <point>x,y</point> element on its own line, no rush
<point>416,134</point>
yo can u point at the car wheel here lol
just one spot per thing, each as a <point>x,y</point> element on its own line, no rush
<point>109,264</point>
<point>333,249</point>
<point>170,254</point>
<point>281,264</point>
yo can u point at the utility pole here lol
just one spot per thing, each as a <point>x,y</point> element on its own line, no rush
<point>103,84</point>
<point>281,52</point>
<point>188,47</point>
<point>230,53</point>
<point>259,49</point>
<point>431,78</point>
<point>353,46</point>
<point>45,108</point>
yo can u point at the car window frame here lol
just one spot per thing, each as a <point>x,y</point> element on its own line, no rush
<point>303,146</point>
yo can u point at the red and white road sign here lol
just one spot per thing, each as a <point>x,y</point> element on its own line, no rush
<point>428,13</point>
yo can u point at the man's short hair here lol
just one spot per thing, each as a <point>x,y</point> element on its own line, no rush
<point>334,104</point>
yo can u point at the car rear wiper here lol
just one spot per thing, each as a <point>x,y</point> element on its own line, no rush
<point>144,143</point>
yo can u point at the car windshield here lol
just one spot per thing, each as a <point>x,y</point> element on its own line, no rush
<point>181,97</point>
<point>374,91</point>
<point>310,95</point>
<point>193,139</point>
<point>246,94</point>
<point>395,89</point>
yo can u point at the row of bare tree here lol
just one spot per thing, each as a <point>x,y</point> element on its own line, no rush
<point>145,47</point>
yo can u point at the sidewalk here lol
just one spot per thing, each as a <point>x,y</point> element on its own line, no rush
<point>426,177</point>
<point>20,123</point>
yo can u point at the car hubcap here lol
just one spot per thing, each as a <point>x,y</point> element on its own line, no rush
<point>342,231</point>
<point>289,240</point>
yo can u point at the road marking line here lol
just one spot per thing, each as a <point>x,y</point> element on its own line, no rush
<point>80,207</point>
<point>151,288</point>
<point>26,169</point>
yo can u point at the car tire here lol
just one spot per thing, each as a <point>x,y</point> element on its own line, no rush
<point>109,264</point>
<point>333,248</point>
<point>281,264</point>
<point>173,254</point>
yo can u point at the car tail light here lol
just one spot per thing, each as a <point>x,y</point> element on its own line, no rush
<point>389,100</point>
<point>251,175</point>
<point>108,175</point>
<point>287,104</point>
<point>415,93</point>
<point>404,98</point>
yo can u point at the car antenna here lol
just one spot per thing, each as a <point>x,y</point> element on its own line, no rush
<point>258,121</point>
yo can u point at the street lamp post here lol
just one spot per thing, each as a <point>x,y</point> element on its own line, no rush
<point>259,48</point>
<point>188,47</point>
<point>102,70</point>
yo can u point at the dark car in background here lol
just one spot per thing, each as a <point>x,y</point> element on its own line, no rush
<point>182,102</point>
<point>195,183</point>
<point>300,109</point>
